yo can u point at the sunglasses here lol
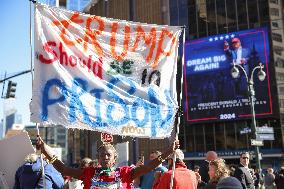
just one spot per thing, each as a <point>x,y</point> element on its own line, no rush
<point>245,157</point>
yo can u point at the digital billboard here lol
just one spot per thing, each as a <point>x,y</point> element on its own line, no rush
<point>210,91</point>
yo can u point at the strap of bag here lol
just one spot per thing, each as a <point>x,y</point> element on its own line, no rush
<point>39,177</point>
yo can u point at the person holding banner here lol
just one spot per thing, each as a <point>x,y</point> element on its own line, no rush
<point>147,180</point>
<point>106,175</point>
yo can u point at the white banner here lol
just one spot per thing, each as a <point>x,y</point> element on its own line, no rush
<point>104,74</point>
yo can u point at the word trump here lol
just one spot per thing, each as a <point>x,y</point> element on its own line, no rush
<point>150,112</point>
<point>120,36</point>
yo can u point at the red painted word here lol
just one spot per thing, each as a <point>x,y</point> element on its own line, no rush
<point>95,27</point>
<point>57,53</point>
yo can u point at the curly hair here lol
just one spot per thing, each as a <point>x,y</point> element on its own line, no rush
<point>221,169</point>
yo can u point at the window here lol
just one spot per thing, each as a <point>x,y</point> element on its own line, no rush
<point>242,14</point>
<point>220,138</point>
<point>211,13</point>
<point>190,138</point>
<point>280,76</point>
<point>264,12</point>
<point>278,52</point>
<point>231,14</point>
<point>243,137</point>
<point>274,1</point>
<point>199,138</point>
<point>230,136</point>
<point>209,137</point>
<point>61,137</point>
<point>275,24</point>
<point>276,37</point>
<point>253,13</point>
<point>281,103</point>
<point>281,90</point>
<point>274,11</point>
<point>279,63</point>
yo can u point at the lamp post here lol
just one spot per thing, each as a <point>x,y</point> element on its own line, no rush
<point>261,76</point>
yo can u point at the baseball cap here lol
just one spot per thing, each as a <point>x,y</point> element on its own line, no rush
<point>179,154</point>
<point>235,40</point>
<point>229,183</point>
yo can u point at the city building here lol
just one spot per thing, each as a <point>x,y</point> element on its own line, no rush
<point>54,135</point>
<point>10,117</point>
<point>205,18</point>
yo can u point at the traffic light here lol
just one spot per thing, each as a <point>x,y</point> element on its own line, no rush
<point>11,90</point>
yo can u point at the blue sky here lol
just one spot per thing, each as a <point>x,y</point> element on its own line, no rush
<point>15,49</point>
<point>15,52</point>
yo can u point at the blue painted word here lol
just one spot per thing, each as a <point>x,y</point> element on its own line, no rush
<point>154,116</point>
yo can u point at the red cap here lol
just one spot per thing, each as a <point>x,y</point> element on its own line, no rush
<point>235,40</point>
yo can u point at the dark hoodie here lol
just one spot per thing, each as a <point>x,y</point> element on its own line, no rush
<point>29,176</point>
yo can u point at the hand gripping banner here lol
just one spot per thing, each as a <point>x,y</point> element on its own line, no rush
<point>104,74</point>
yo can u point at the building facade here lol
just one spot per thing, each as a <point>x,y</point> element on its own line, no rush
<point>54,135</point>
<point>213,17</point>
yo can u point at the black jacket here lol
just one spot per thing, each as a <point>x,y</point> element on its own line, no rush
<point>244,177</point>
<point>203,171</point>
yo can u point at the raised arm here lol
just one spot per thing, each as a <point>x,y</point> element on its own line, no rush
<point>139,171</point>
<point>59,165</point>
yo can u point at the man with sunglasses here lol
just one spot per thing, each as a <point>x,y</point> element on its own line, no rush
<point>243,173</point>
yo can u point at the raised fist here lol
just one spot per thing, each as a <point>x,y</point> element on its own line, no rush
<point>226,45</point>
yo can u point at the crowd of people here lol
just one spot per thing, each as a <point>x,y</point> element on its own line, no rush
<point>212,173</point>
<point>214,170</point>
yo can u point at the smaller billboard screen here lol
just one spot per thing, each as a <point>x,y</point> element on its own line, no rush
<point>210,91</point>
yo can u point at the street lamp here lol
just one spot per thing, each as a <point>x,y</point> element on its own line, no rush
<point>235,72</point>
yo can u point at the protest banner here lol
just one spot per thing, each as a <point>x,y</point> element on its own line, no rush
<point>104,74</point>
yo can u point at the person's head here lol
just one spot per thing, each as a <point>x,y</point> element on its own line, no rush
<point>270,170</point>
<point>229,183</point>
<point>154,154</point>
<point>211,155</point>
<point>217,169</point>
<point>236,43</point>
<point>232,170</point>
<point>31,158</point>
<point>94,163</point>
<point>85,162</point>
<point>179,157</point>
<point>281,171</point>
<point>244,159</point>
<point>196,168</point>
<point>107,155</point>
<point>256,170</point>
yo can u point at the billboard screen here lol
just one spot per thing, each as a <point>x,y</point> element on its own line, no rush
<point>210,91</point>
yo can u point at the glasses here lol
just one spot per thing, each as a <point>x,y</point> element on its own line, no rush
<point>245,157</point>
